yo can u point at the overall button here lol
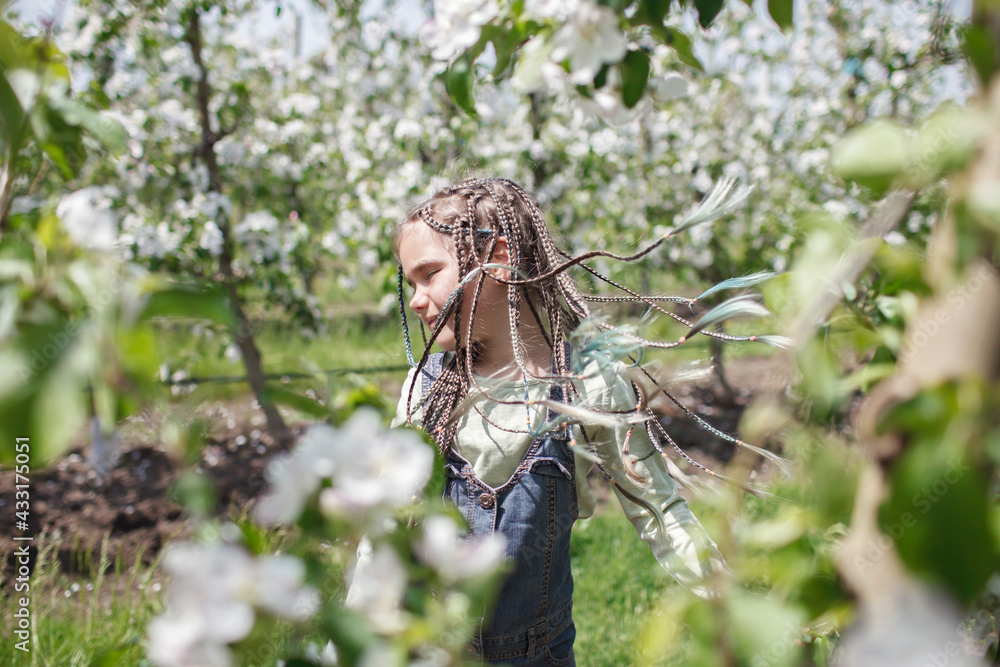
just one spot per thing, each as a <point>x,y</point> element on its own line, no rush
<point>486,501</point>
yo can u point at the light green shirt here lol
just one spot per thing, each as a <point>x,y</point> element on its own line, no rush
<point>682,547</point>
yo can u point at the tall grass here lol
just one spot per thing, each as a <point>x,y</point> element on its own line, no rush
<point>96,619</point>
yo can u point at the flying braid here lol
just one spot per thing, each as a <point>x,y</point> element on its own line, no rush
<point>474,214</point>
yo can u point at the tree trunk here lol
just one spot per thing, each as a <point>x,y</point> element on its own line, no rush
<point>723,391</point>
<point>243,334</point>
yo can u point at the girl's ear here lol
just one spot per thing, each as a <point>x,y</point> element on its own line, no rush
<point>501,255</point>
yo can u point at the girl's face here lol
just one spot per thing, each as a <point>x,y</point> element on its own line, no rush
<point>431,269</point>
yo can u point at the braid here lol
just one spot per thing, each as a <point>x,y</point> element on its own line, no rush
<point>474,214</point>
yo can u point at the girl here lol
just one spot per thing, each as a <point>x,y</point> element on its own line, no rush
<point>521,416</point>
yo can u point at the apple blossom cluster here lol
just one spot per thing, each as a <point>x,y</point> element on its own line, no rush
<point>358,473</point>
<point>213,597</point>
<point>88,218</point>
<point>456,25</point>
<point>380,581</point>
<point>371,471</point>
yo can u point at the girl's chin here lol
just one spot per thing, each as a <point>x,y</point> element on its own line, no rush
<point>446,342</point>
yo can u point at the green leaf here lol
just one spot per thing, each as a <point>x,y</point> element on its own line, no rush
<point>682,45</point>
<point>656,10</point>
<point>765,627</point>
<point>59,406</point>
<point>977,43</point>
<point>196,492</point>
<point>948,139</point>
<point>15,50</point>
<point>184,439</point>
<point>254,537</point>
<point>781,12</point>
<point>11,115</point>
<point>505,43</point>
<point>303,404</point>
<point>937,511</point>
<point>602,77</point>
<point>435,486</point>
<point>635,72</point>
<point>349,632</point>
<point>707,11</point>
<point>651,13</point>
<point>873,155</point>
<point>190,301</point>
<point>102,127</point>
<point>459,81</point>
<point>58,156</point>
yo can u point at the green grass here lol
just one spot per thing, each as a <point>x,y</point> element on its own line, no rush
<point>347,343</point>
<point>618,586</point>
<point>77,621</point>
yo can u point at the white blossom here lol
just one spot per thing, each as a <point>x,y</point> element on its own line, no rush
<point>550,9</point>
<point>87,217</point>
<point>211,239</point>
<point>211,600</point>
<point>456,25</point>
<point>536,70</point>
<point>669,87</point>
<point>607,104</point>
<point>589,39</point>
<point>325,657</point>
<point>456,559</point>
<point>380,468</point>
<point>299,103</point>
<point>371,468</point>
<point>377,590</point>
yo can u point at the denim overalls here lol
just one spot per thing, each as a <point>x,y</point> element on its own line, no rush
<point>532,622</point>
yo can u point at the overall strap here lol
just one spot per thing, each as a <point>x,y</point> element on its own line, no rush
<point>430,372</point>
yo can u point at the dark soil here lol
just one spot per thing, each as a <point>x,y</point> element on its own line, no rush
<point>134,507</point>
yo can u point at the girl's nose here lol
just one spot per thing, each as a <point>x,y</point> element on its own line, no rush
<point>418,301</point>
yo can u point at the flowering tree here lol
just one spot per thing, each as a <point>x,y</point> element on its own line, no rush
<point>579,45</point>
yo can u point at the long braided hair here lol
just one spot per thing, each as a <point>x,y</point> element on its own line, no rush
<point>474,214</point>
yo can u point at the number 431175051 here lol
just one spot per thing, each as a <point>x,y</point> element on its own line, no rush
<point>22,469</point>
